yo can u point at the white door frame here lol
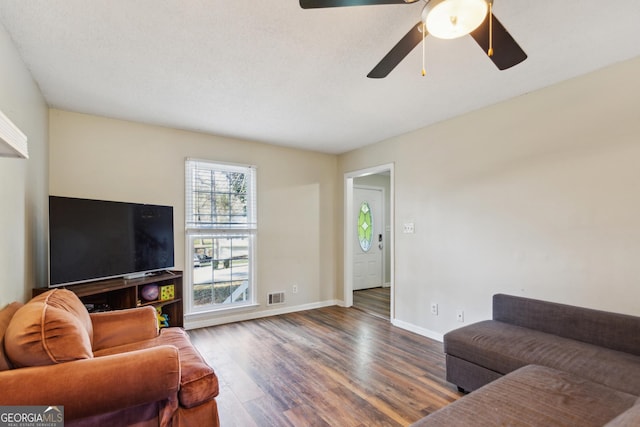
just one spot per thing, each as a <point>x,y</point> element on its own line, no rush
<point>349,231</point>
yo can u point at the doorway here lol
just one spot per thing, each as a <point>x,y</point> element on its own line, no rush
<point>368,243</point>
<point>368,260</point>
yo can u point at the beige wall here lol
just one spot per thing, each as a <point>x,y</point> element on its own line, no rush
<point>23,183</point>
<point>101,158</point>
<point>537,196</point>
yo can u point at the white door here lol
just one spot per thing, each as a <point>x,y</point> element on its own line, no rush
<point>369,236</point>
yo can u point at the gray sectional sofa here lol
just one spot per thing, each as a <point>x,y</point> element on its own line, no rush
<point>543,363</point>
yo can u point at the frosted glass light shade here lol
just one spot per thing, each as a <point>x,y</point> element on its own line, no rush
<point>450,19</point>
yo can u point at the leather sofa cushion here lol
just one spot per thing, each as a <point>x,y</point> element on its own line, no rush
<point>53,327</point>
<point>198,381</point>
<point>6,314</point>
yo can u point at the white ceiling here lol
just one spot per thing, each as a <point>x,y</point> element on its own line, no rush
<point>270,71</point>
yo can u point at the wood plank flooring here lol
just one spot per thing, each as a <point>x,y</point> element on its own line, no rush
<point>332,366</point>
<point>376,301</point>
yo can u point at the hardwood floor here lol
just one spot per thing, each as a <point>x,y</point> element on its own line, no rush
<point>376,301</point>
<point>332,366</point>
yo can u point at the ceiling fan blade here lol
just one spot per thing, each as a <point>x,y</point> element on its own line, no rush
<point>397,53</point>
<point>506,51</point>
<point>314,4</point>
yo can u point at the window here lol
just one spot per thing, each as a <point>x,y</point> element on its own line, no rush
<point>365,227</point>
<point>220,221</point>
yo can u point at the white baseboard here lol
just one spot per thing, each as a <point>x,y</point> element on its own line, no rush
<point>203,320</point>
<point>410,327</point>
<point>418,330</point>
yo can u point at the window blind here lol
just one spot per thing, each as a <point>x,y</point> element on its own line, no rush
<point>220,196</point>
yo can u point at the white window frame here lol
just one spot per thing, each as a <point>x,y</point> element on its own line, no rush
<point>195,231</point>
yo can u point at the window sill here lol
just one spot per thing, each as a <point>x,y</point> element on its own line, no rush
<point>204,319</point>
<point>221,311</point>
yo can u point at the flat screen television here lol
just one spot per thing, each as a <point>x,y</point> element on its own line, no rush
<point>96,239</point>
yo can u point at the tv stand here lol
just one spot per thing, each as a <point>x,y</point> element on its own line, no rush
<point>121,293</point>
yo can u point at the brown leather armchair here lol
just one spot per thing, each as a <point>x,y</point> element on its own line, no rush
<point>112,368</point>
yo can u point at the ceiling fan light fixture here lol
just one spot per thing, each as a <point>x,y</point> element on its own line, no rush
<point>450,19</point>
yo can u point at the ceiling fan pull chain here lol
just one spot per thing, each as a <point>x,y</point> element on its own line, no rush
<point>424,35</point>
<point>490,51</point>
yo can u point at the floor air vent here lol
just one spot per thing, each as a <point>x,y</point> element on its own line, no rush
<point>275,298</point>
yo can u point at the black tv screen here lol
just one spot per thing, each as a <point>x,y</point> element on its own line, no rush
<point>96,239</point>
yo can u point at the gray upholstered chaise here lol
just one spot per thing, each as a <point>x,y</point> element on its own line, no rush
<point>597,345</point>
<point>539,396</point>
<point>543,363</point>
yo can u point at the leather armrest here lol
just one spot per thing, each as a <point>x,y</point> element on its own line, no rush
<point>119,327</point>
<point>95,386</point>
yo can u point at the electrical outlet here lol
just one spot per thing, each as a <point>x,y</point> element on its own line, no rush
<point>460,315</point>
<point>434,308</point>
<point>408,228</point>
<point>295,289</point>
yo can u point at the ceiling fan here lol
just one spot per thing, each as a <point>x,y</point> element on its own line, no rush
<point>447,19</point>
